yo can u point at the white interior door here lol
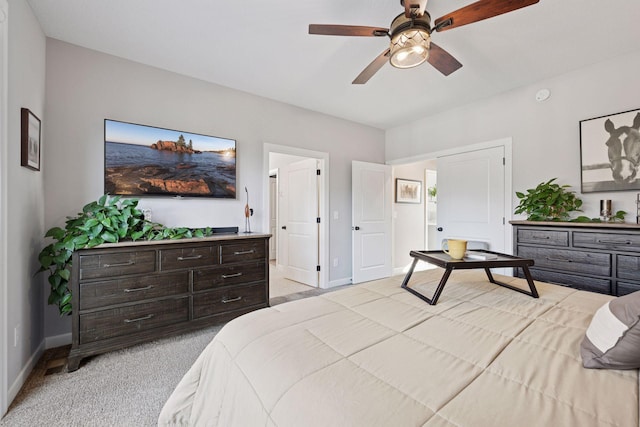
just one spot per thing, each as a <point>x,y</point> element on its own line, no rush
<point>371,195</point>
<point>298,211</point>
<point>471,200</point>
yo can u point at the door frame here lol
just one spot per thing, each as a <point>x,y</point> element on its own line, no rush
<point>507,144</point>
<point>274,173</point>
<point>4,178</point>
<point>323,200</point>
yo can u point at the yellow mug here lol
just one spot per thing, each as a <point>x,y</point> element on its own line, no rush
<point>457,248</point>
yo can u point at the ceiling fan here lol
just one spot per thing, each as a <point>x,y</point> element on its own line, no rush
<point>410,34</point>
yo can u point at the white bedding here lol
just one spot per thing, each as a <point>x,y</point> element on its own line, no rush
<point>375,355</point>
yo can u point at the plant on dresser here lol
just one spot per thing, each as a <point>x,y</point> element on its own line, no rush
<point>107,220</point>
<point>549,201</point>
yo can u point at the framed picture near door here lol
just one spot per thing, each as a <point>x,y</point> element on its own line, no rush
<point>30,140</point>
<point>408,191</point>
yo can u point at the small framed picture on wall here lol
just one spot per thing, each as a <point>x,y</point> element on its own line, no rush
<point>408,191</point>
<point>30,140</point>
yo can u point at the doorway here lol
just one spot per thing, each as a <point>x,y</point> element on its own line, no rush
<point>447,172</point>
<point>272,155</point>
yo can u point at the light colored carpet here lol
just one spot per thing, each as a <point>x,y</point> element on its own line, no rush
<point>121,388</point>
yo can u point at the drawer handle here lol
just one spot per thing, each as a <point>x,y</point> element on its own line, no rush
<point>615,242</point>
<point>189,258</point>
<point>252,251</point>
<point>558,259</point>
<point>139,319</point>
<point>229,276</point>
<point>226,301</point>
<point>541,237</point>
<point>122,264</point>
<point>146,288</point>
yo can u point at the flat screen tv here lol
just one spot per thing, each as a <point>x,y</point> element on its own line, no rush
<point>144,160</point>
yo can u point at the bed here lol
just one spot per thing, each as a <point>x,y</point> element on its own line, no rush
<point>375,355</point>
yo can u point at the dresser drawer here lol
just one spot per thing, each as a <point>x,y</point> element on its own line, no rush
<point>543,237</point>
<point>131,289</point>
<point>627,288</point>
<point>608,241</point>
<point>592,284</point>
<point>229,275</point>
<point>116,264</point>
<point>244,251</point>
<point>568,260</point>
<point>628,267</point>
<point>189,257</point>
<point>228,299</point>
<point>122,321</point>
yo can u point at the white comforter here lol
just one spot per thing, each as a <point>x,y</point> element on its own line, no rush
<point>375,355</point>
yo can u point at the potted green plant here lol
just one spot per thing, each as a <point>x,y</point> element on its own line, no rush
<point>107,220</point>
<point>548,201</point>
<point>432,192</point>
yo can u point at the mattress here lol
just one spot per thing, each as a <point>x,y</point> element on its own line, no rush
<point>375,355</point>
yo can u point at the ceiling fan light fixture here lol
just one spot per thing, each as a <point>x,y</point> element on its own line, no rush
<point>410,48</point>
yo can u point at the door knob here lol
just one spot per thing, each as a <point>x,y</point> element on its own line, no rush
<point>439,228</point>
<point>284,227</point>
<point>356,228</point>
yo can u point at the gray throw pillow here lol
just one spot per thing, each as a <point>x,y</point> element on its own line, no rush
<point>612,340</point>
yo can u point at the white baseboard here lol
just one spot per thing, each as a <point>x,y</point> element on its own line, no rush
<point>339,282</point>
<point>57,341</point>
<point>24,373</point>
<point>398,270</point>
<point>421,266</point>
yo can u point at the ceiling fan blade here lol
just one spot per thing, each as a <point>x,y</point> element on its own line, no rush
<point>478,11</point>
<point>372,68</point>
<point>417,6</point>
<point>347,30</point>
<point>442,60</point>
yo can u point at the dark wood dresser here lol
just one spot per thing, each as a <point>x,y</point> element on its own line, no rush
<point>131,292</point>
<point>597,257</point>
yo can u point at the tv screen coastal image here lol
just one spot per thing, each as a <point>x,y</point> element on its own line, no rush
<point>144,160</point>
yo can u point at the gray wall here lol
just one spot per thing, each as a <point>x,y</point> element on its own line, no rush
<point>546,141</point>
<point>84,87</point>
<point>24,197</point>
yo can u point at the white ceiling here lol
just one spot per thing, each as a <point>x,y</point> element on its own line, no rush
<point>263,48</point>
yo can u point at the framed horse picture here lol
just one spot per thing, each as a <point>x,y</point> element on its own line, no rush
<point>610,152</point>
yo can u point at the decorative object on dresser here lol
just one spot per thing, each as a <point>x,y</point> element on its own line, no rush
<point>548,201</point>
<point>131,292</point>
<point>248,213</point>
<point>598,257</point>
